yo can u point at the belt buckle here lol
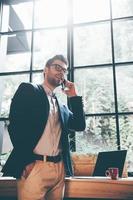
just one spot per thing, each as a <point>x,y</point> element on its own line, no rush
<point>45,158</point>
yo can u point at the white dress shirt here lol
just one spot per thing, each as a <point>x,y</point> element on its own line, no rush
<point>50,139</point>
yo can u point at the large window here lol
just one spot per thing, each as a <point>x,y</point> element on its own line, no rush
<point>96,36</point>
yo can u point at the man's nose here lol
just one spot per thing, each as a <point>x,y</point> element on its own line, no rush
<point>61,73</point>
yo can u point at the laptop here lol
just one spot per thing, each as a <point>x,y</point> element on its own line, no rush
<point>108,159</point>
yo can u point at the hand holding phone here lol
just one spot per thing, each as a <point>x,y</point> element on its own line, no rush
<point>68,88</point>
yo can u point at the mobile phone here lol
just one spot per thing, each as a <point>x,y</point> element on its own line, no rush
<point>63,84</point>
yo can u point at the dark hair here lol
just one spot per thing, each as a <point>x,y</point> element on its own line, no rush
<point>56,57</point>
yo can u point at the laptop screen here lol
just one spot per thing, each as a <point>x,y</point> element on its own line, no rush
<point>108,159</point>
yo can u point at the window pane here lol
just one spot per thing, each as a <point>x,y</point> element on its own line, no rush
<point>124,75</point>
<point>6,145</point>
<point>38,79</point>
<point>92,44</point>
<point>96,87</point>
<point>1,135</point>
<point>99,135</point>
<point>8,86</point>
<point>126,136</point>
<point>48,43</point>
<point>15,52</point>
<point>122,8</point>
<point>90,10</point>
<point>123,40</point>
<point>50,13</point>
<point>17,16</point>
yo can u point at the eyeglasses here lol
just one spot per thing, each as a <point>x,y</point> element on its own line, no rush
<point>59,68</point>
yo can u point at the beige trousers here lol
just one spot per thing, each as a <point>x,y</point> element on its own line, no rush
<point>45,182</point>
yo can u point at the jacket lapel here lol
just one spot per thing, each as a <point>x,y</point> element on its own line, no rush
<point>61,113</point>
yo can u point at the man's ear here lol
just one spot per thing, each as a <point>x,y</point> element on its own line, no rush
<point>45,71</point>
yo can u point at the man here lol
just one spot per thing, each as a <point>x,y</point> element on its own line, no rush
<point>39,128</point>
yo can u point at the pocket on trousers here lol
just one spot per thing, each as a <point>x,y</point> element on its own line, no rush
<point>25,174</point>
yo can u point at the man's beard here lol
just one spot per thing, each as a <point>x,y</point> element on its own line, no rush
<point>54,82</point>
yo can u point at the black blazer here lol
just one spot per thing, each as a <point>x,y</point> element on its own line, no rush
<point>28,117</point>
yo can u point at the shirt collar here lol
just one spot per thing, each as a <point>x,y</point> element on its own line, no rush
<point>48,91</point>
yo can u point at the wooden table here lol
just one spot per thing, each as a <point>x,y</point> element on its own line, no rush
<point>99,187</point>
<point>82,187</point>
